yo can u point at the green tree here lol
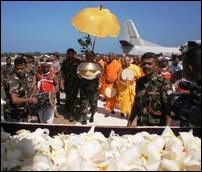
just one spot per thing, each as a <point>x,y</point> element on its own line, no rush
<point>85,43</point>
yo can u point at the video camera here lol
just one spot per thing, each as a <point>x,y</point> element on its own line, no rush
<point>187,105</point>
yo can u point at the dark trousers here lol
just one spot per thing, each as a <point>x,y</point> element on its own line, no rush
<point>71,99</point>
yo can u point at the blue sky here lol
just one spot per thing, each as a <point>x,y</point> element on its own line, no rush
<point>46,26</point>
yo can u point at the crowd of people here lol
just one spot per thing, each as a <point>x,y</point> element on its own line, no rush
<point>140,86</point>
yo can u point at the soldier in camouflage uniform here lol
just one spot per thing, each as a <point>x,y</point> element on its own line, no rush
<point>151,102</point>
<point>31,70</point>
<point>19,93</point>
<point>7,70</point>
<point>89,93</point>
<point>70,81</point>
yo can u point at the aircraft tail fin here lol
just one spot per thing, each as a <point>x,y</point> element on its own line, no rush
<point>132,37</point>
<point>131,34</point>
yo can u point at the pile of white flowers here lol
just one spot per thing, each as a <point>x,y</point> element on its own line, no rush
<point>92,151</point>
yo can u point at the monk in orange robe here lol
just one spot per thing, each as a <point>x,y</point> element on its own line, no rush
<point>126,87</point>
<point>111,71</point>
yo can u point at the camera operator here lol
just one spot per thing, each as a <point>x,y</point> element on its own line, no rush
<point>187,106</point>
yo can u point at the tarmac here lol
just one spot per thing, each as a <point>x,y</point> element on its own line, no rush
<point>114,119</point>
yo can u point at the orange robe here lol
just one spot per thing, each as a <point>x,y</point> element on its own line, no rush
<point>111,76</point>
<point>126,91</point>
<point>101,80</point>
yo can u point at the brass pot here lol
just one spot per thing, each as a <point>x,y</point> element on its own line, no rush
<point>89,70</point>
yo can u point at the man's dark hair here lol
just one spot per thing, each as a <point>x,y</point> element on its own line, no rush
<point>29,56</point>
<point>8,57</point>
<point>70,50</point>
<point>150,55</point>
<point>19,60</point>
<point>193,57</point>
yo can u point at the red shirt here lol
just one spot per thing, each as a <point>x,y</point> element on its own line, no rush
<point>45,82</point>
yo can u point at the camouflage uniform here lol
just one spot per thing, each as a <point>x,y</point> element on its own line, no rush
<point>151,101</point>
<point>20,87</point>
<point>32,71</point>
<point>71,82</point>
<point>89,94</point>
<point>7,72</point>
<point>31,68</point>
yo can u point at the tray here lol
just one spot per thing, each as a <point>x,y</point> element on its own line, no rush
<point>13,127</point>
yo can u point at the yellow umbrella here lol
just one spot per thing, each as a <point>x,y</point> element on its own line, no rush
<point>96,21</point>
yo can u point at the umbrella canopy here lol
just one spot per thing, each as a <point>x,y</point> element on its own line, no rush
<point>98,22</point>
